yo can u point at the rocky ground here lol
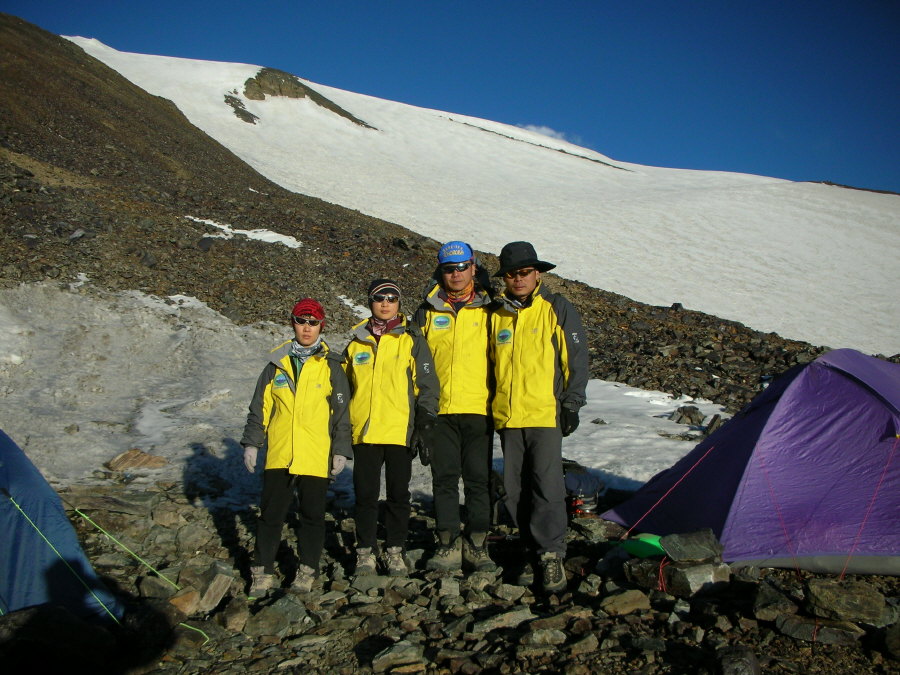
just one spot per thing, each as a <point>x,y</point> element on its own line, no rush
<point>99,179</point>
<point>188,612</point>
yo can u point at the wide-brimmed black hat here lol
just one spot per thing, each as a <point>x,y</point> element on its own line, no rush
<point>518,254</point>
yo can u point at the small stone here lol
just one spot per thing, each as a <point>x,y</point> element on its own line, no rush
<point>626,602</point>
<point>186,600</point>
<point>135,459</point>
<point>824,631</point>
<point>845,600</point>
<point>402,653</point>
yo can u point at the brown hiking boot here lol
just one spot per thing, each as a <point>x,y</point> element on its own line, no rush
<point>393,561</point>
<point>365,562</point>
<point>303,582</point>
<point>554,574</point>
<point>448,556</point>
<point>475,554</point>
<point>260,582</point>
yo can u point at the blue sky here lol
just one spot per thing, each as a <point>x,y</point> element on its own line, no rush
<point>804,91</point>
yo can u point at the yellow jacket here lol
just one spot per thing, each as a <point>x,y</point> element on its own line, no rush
<point>304,422</point>
<point>388,379</point>
<point>459,346</point>
<point>540,360</point>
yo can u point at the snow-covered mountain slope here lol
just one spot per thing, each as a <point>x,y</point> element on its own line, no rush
<point>808,261</point>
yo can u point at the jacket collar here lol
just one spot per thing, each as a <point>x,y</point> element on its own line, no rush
<point>360,332</point>
<point>513,306</point>
<point>434,299</point>
<point>285,350</point>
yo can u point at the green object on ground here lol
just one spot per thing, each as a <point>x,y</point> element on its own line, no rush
<point>643,545</point>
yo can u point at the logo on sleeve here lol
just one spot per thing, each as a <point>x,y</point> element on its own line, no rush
<point>504,336</point>
<point>361,358</point>
<point>441,322</point>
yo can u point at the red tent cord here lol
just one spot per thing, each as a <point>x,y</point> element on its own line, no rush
<point>661,577</point>
<point>668,492</point>
<point>871,505</point>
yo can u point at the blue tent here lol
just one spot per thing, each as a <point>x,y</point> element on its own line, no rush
<point>41,560</point>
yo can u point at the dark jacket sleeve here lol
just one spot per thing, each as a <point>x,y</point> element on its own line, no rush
<point>426,377</point>
<point>577,358</point>
<point>420,318</point>
<point>341,443</point>
<point>254,431</point>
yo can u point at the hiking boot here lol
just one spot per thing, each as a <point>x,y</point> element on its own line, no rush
<point>554,575</point>
<point>448,556</point>
<point>475,554</point>
<point>260,582</point>
<point>303,582</point>
<point>393,561</point>
<point>526,575</point>
<point>365,562</point>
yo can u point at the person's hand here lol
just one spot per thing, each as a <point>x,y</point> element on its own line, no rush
<point>569,421</point>
<point>338,462</point>
<point>250,453</point>
<point>421,438</point>
<point>420,447</point>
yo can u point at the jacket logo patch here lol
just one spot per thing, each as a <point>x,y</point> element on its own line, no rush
<point>361,358</point>
<point>504,336</point>
<point>280,380</point>
<point>441,322</point>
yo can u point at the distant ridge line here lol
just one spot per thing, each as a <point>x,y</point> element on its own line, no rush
<point>852,187</point>
<point>539,145</point>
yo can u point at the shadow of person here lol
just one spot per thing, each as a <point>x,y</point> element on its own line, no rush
<point>228,492</point>
<point>81,628</point>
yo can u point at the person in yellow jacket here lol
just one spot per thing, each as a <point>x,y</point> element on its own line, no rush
<point>394,396</point>
<point>455,320</point>
<point>541,369</point>
<point>301,410</point>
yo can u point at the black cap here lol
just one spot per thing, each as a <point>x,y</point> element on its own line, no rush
<point>518,254</point>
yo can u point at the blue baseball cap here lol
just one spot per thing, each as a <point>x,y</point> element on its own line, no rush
<point>455,252</point>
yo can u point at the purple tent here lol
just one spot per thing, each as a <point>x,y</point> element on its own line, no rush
<point>807,475</point>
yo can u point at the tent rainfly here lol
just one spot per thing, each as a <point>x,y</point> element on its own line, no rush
<point>41,560</point>
<point>806,476</point>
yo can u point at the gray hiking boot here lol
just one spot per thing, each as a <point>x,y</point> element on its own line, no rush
<point>526,575</point>
<point>260,582</point>
<point>303,582</point>
<point>365,562</point>
<point>553,572</point>
<point>448,556</point>
<point>475,555</point>
<point>393,561</point>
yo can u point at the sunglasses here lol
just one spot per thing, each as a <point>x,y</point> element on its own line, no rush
<point>306,322</point>
<point>378,297</point>
<point>515,274</point>
<point>457,267</point>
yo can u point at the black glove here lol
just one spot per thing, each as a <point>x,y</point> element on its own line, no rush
<point>568,421</point>
<point>421,437</point>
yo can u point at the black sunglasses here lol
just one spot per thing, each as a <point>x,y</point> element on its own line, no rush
<point>457,267</point>
<point>378,297</point>
<point>302,322</point>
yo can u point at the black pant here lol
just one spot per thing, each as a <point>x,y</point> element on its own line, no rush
<point>277,493</point>
<point>535,486</point>
<point>462,447</point>
<point>368,459</point>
